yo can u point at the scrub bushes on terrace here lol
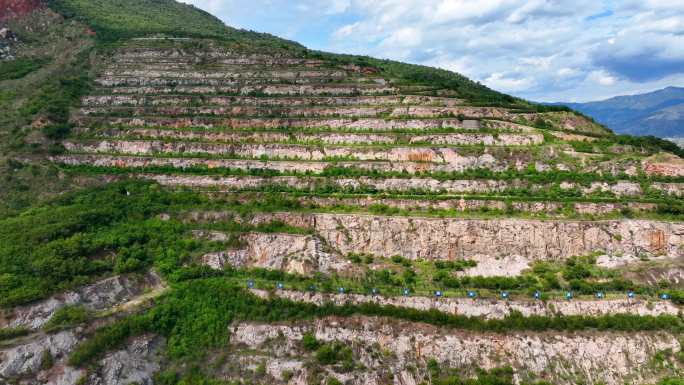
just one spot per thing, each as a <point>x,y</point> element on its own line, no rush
<point>18,68</point>
<point>53,247</point>
<point>196,314</point>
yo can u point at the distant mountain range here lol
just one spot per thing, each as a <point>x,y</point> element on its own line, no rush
<point>659,113</point>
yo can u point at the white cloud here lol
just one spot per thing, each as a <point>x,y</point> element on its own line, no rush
<point>338,6</point>
<point>508,83</point>
<point>538,49</point>
<point>566,72</point>
<point>403,37</point>
<point>345,31</point>
<point>602,77</point>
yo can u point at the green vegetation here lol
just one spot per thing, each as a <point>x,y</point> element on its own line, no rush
<point>650,144</point>
<point>54,100</point>
<point>195,316</point>
<point>18,68</point>
<point>334,353</point>
<point>46,360</point>
<point>119,20</point>
<point>423,278</point>
<point>448,376</point>
<point>122,19</point>
<point>34,109</point>
<point>80,237</point>
<point>433,78</point>
<point>68,316</point>
<point>310,342</point>
<point>107,338</point>
<point>10,333</point>
<point>52,248</point>
<point>529,175</point>
<point>646,144</point>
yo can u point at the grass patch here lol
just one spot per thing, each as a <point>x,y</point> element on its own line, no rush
<point>67,317</point>
<point>11,333</point>
<point>17,69</point>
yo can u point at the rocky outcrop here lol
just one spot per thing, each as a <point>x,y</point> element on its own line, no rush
<point>7,40</point>
<point>488,308</point>
<point>285,111</point>
<point>98,296</point>
<point>136,364</point>
<point>204,110</point>
<point>433,238</point>
<point>453,238</point>
<point>549,209</point>
<point>427,185</point>
<point>247,90</point>
<point>286,166</point>
<point>365,124</point>
<point>180,100</point>
<point>334,138</point>
<point>26,358</point>
<point>448,159</point>
<point>562,359</point>
<point>664,165</point>
<point>301,254</point>
<point>504,247</point>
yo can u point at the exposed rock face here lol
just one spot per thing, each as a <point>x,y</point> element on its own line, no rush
<point>413,166</point>
<point>302,254</point>
<point>450,239</point>
<point>443,159</point>
<point>562,359</point>
<point>488,308</point>
<point>335,138</point>
<point>27,358</point>
<point>6,34</point>
<point>664,165</point>
<point>136,364</point>
<point>7,39</point>
<point>407,185</point>
<point>432,238</point>
<point>176,100</point>
<point>98,296</point>
<point>509,266</point>
<point>61,374</point>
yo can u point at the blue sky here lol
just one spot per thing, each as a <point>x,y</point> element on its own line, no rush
<point>545,50</point>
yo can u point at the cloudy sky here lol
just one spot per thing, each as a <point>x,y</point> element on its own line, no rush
<point>544,50</point>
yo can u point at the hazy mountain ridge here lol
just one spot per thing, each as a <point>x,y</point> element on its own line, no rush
<point>659,113</point>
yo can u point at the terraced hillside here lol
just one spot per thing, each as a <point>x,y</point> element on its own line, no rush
<point>293,217</point>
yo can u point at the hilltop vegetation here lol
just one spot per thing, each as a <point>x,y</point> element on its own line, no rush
<point>122,19</point>
<point>118,20</point>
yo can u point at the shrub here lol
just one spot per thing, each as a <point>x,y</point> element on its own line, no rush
<point>46,360</point>
<point>310,342</point>
<point>107,338</point>
<point>18,68</point>
<point>332,353</point>
<point>10,333</point>
<point>68,316</point>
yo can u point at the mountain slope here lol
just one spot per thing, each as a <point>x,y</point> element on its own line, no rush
<point>232,208</point>
<point>659,113</point>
